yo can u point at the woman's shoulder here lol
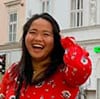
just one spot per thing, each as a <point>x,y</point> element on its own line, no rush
<point>11,67</point>
<point>8,78</point>
<point>10,73</point>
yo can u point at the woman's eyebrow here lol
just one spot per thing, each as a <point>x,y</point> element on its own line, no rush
<point>32,29</point>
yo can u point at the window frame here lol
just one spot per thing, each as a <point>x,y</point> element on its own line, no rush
<point>45,5</point>
<point>76,14</point>
<point>98,88</point>
<point>12,26</point>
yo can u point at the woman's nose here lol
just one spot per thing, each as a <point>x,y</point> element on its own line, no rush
<point>38,37</point>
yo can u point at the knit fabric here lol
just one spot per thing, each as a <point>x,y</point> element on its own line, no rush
<point>63,84</point>
<point>55,87</point>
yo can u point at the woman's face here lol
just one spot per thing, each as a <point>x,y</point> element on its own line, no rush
<point>40,39</point>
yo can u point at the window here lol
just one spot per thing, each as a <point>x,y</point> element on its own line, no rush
<point>45,5</point>
<point>76,13</point>
<point>12,26</point>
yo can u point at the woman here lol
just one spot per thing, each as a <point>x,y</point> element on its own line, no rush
<point>45,69</point>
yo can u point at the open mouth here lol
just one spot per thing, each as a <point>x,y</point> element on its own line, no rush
<point>37,46</point>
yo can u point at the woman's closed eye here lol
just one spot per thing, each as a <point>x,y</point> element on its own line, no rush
<point>32,32</point>
<point>48,34</point>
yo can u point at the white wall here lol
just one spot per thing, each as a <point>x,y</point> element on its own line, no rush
<point>60,12</point>
<point>32,7</point>
<point>83,33</point>
<point>12,55</point>
<point>98,11</point>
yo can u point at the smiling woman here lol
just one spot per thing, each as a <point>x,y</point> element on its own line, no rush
<point>50,67</point>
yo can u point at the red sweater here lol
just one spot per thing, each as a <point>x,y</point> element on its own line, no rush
<point>56,87</point>
<point>63,84</point>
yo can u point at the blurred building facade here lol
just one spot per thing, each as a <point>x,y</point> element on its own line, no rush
<point>78,18</point>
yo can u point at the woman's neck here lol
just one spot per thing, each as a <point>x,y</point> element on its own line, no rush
<point>38,65</point>
<point>39,68</point>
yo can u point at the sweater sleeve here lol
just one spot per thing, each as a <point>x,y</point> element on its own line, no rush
<point>77,61</point>
<point>3,85</point>
<point>6,80</point>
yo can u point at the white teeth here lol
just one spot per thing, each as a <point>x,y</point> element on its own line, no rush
<point>37,45</point>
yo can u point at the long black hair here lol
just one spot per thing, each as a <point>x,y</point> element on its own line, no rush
<point>25,65</point>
